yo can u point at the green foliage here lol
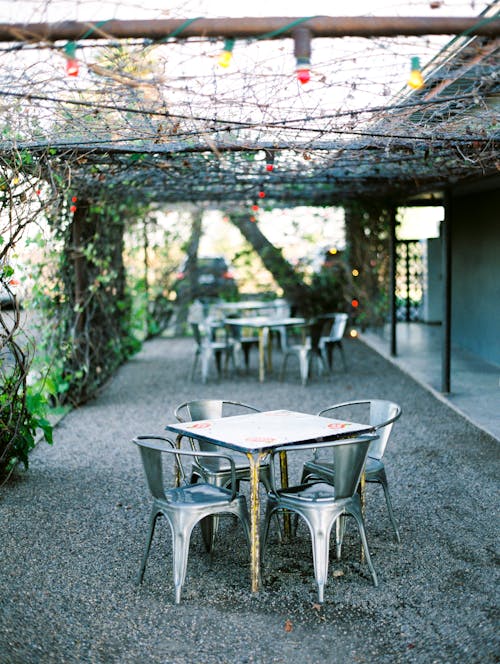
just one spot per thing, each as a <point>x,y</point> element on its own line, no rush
<point>22,415</point>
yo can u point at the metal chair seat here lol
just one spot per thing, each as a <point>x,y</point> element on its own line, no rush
<point>186,505</point>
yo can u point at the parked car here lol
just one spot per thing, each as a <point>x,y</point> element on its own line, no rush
<point>214,279</point>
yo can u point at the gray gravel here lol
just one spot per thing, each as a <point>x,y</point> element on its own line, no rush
<point>72,531</point>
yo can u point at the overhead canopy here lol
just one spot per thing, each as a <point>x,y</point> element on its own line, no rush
<point>162,119</point>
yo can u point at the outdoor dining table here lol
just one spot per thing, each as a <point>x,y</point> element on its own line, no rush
<point>263,324</point>
<point>256,435</point>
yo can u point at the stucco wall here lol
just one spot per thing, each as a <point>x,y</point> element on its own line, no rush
<point>476,274</point>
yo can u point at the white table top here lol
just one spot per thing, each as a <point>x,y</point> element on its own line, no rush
<point>258,432</point>
<point>264,321</point>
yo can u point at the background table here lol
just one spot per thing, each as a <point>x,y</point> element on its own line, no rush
<point>263,324</point>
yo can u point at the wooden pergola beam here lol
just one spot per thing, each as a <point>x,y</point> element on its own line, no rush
<point>242,28</point>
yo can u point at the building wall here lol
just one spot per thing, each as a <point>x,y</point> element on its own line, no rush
<point>476,274</point>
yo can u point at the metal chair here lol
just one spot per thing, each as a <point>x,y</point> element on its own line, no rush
<point>382,415</point>
<point>334,340</point>
<point>242,342</point>
<point>186,505</point>
<point>218,472</point>
<point>321,504</point>
<point>209,348</point>
<point>306,351</point>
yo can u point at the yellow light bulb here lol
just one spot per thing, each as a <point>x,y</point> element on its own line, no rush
<point>353,334</point>
<point>355,273</point>
<point>416,79</point>
<point>225,59</point>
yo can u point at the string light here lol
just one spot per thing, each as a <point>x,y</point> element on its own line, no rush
<point>269,160</point>
<point>302,52</point>
<point>72,67</point>
<point>227,54</point>
<point>416,79</point>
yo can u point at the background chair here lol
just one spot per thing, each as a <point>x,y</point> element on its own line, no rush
<point>327,344</point>
<point>321,504</point>
<point>382,415</point>
<point>186,505</point>
<point>242,341</point>
<point>306,350</point>
<point>209,348</point>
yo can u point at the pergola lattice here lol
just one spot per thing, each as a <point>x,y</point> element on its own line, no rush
<point>153,113</point>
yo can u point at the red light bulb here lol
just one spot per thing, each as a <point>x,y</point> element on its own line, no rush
<point>304,75</point>
<point>255,208</point>
<point>262,194</point>
<point>72,67</point>
<point>269,167</point>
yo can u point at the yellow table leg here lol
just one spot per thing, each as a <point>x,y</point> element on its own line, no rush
<point>254,461</point>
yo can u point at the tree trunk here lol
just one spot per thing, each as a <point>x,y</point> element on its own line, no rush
<point>294,289</point>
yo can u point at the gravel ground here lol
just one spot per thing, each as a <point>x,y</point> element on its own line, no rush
<point>72,532</point>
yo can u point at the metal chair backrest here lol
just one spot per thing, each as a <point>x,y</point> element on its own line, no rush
<point>338,327</point>
<point>349,460</point>
<point>349,457</point>
<point>153,447</point>
<point>382,415</point>
<point>151,456</point>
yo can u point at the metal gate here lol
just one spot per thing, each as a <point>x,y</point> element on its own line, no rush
<point>409,279</point>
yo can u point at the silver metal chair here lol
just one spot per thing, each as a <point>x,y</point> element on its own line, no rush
<point>242,342</point>
<point>218,472</point>
<point>382,415</point>
<point>186,505</point>
<point>209,349</point>
<point>327,344</point>
<point>321,504</point>
<point>306,350</point>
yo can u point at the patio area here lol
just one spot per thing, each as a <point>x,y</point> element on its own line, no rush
<point>72,532</point>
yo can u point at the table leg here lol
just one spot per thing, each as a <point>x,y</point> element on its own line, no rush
<point>254,460</point>
<point>269,341</point>
<point>287,522</point>
<point>262,370</point>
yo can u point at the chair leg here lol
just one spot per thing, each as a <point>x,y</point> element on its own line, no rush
<point>181,535</point>
<point>382,479</point>
<point>152,523</point>
<point>341,348</point>
<point>304,361</point>
<point>320,536</point>
<point>355,511</point>
<point>195,363</point>
<point>205,363</point>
